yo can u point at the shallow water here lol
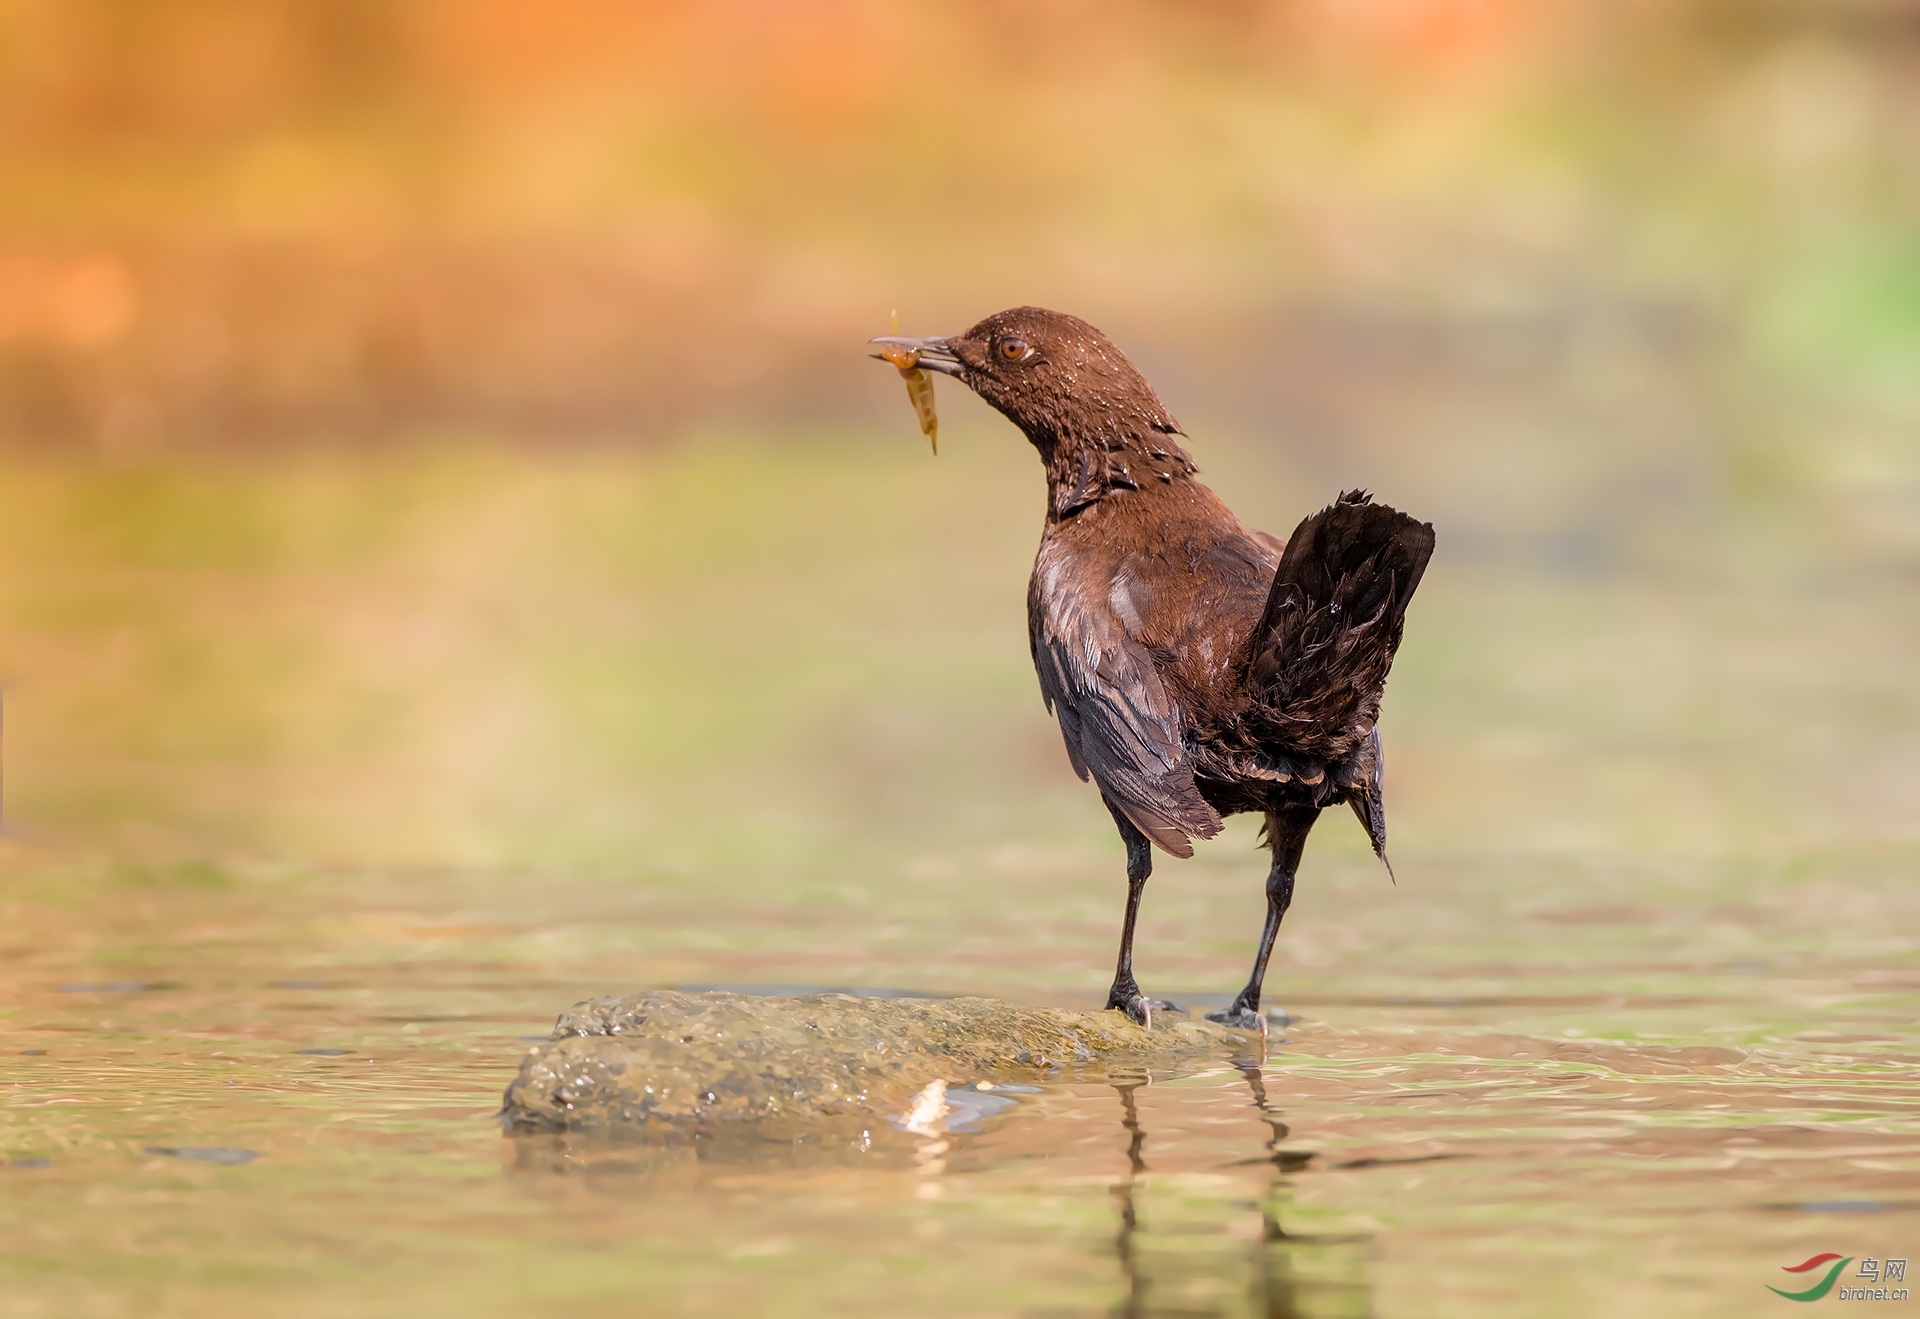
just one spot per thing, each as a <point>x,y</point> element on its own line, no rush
<point>1659,1141</point>
<point>331,786</point>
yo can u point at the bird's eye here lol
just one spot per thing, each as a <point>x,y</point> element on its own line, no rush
<point>1013,349</point>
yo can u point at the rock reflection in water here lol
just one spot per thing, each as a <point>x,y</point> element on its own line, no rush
<point>1200,1220</point>
<point>1287,1274</point>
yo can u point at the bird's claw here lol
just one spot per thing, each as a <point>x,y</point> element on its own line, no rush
<point>1240,1017</point>
<point>1140,1009</point>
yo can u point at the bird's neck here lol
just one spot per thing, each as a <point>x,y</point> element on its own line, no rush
<point>1083,468</point>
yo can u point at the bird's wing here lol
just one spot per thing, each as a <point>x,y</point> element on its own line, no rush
<point>1119,723</point>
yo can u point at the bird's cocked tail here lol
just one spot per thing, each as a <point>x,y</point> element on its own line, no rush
<point>1320,654</point>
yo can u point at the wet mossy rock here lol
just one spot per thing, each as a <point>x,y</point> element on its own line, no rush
<point>664,1058</point>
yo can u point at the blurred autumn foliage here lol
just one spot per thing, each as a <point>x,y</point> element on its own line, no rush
<point>242,221</point>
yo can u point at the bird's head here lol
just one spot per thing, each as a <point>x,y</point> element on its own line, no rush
<point>1058,379</point>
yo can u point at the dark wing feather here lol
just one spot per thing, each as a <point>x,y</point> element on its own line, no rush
<point>1119,724</point>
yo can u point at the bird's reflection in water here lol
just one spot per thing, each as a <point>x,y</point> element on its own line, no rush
<point>1287,1272</point>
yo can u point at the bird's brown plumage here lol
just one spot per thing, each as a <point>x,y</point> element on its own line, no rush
<point>1197,668</point>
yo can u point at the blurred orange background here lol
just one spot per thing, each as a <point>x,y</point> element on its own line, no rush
<point>1625,298</point>
<point>237,223</point>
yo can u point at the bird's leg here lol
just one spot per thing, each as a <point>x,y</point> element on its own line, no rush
<point>1287,836</point>
<point>1125,994</point>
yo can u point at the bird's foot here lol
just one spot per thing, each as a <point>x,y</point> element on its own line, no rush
<point>1240,1017</point>
<point>1142,1009</point>
<point>1125,996</point>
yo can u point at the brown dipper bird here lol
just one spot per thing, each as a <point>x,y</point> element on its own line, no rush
<point>1198,668</point>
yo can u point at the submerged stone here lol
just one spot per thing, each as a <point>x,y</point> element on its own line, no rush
<point>667,1061</point>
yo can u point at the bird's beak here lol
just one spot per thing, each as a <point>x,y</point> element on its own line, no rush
<point>934,355</point>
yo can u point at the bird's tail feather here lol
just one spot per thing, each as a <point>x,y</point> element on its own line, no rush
<point>1333,620</point>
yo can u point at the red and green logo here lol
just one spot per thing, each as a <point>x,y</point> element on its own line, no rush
<point>1820,1288</point>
